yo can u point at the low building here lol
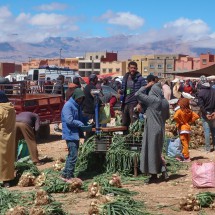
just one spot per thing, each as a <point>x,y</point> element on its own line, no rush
<point>71,63</point>
<point>163,64</point>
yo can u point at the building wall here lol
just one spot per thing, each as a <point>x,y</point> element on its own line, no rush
<point>142,63</point>
<point>92,62</point>
<point>72,63</point>
<point>207,60</point>
<point>95,55</point>
<point>187,63</point>
<point>162,64</point>
<point>25,67</point>
<point>184,64</point>
<point>34,63</point>
<point>196,63</point>
<point>18,68</point>
<point>145,64</point>
<point>124,67</point>
<point>110,56</point>
<point>138,60</point>
<point>54,62</point>
<point>102,56</point>
<point>87,67</point>
<point>31,64</point>
<point>6,69</point>
<point>111,67</point>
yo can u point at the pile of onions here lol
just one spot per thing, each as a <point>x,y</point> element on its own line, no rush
<point>26,180</point>
<point>190,203</point>
<point>115,181</point>
<point>94,190</point>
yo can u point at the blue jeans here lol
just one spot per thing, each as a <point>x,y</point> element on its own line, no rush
<point>208,128</point>
<point>71,159</point>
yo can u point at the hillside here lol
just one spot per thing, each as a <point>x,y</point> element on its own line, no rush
<point>73,47</point>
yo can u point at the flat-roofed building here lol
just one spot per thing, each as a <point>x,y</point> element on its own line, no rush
<point>91,63</point>
<point>162,64</point>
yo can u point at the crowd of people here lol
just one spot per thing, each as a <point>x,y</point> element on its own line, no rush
<point>147,98</point>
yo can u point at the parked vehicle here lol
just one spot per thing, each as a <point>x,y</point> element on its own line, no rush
<point>16,77</point>
<point>47,106</point>
<point>41,74</point>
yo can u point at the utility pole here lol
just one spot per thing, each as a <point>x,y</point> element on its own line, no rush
<point>60,57</point>
<point>29,62</point>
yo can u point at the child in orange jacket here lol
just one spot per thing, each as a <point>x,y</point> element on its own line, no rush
<point>184,117</point>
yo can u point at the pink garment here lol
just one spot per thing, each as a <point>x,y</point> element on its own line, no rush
<point>167,92</point>
<point>113,101</point>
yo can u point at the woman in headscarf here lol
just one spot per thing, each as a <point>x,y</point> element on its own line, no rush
<point>7,140</point>
<point>150,160</point>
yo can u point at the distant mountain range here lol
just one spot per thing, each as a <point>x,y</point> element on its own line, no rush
<point>75,47</point>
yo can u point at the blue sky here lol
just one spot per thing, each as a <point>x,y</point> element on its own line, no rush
<point>34,20</point>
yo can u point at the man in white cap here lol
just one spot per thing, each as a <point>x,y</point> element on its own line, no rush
<point>175,90</point>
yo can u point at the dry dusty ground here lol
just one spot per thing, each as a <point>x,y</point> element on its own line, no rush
<point>162,198</point>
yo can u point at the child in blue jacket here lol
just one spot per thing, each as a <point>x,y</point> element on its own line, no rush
<point>72,120</point>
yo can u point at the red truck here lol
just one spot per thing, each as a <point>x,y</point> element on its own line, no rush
<point>47,106</point>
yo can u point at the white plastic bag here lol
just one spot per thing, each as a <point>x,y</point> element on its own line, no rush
<point>104,114</point>
<point>174,148</point>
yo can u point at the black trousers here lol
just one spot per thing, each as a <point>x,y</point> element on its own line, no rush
<point>129,115</point>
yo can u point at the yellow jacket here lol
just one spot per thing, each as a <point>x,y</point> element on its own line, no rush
<point>7,141</point>
<point>184,119</point>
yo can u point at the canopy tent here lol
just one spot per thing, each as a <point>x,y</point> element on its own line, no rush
<point>211,77</point>
<point>208,71</point>
<point>86,79</point>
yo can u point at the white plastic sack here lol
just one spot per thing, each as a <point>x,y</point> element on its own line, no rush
<point>174,148</point>
<point>187,95</point>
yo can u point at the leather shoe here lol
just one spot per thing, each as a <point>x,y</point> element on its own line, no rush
<point>6,184</point>
<point>39,163</point>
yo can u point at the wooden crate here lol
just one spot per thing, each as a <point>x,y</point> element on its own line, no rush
<point>134,143</point>
<point>103,142</point>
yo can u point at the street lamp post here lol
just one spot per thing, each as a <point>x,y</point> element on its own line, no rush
<point>60,56</point>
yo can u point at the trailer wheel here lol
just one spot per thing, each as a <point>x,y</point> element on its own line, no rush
<point>44,132</point>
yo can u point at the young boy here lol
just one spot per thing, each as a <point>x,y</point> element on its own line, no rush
<point>72,120</point>
<point>184,117</point>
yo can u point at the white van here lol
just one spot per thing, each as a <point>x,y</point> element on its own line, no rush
<point>41,74</point>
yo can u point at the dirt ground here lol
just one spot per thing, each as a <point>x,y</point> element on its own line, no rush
<point>162,198</point>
